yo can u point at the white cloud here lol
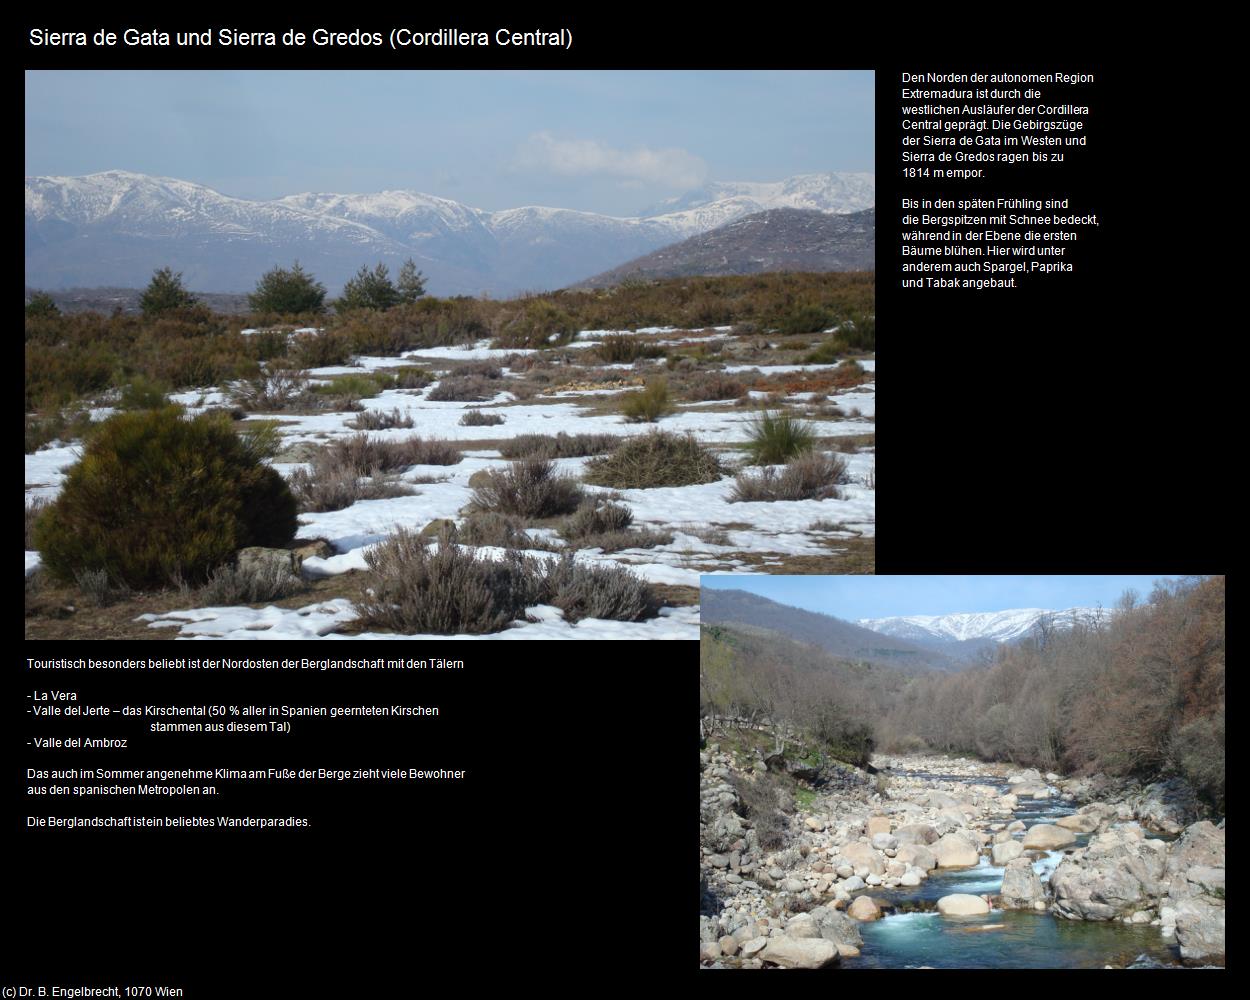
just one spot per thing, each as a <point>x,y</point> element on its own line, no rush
<point>674,168</point>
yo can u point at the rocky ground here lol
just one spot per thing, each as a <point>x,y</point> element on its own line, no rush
<point>794,897</point>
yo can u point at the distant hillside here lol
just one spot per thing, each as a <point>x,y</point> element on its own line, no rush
<point>105,300</point>
<point>782,239</point>
<point>832,635</point>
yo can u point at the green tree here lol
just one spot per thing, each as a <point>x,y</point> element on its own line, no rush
<point>288,292</point>
<point>411,283</point>
<point>165,293</point>
<point>41,304</point>
<point>369,290</point>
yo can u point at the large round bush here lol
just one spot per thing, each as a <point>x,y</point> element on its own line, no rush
<point>156,497</point>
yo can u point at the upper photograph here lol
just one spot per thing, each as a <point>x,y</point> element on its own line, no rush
<point>410,354</point>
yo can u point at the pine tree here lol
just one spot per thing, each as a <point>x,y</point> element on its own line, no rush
<point>368,290</point>
<point>411,283</point>
<point>288,292</point>
<point>165,293</point>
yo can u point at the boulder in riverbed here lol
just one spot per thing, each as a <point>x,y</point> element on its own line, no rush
<point>917,856</point>
<point>862,856</point>
<point>1008,850</point>
<point>800,953</point>
<point>876,825</point>
<point>864,909</point>
<point>962,904</point>
<point>1021,886</point>
<point>1047,837</point>
<point>952,851</point>
<point>916,833</point>
<point>1200,928</point>
<point>1078,822</point>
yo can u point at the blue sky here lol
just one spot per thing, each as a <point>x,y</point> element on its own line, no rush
<point>611,142</point>
<point>851,597</point>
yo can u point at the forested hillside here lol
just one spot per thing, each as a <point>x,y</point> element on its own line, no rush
<point>1141,696</point>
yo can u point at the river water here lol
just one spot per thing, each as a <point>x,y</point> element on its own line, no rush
<point>1002,939</point>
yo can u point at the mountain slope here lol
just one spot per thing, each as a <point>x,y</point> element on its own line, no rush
<point>781,239</point>
<point>115,228</point>
<point>834,636</point>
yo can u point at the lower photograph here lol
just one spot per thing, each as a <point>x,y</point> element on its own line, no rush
<point>973,772</point>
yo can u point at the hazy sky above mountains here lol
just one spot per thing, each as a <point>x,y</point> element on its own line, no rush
<point>609,142</point>
<point>852,597</point>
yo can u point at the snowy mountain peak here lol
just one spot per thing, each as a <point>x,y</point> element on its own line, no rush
<point>116,227</point>
<point>998,626</point>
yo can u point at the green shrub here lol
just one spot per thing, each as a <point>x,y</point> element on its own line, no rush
<point>143,393</point>
<point>321,349</point>
<point>619,349</point>
<point>593,518</point>
<point>488,527</point>
<point>589,590</point>
<point>560,445</point>
<point>155,495</point>
<point>56,426</point>
<point>715,385</point>
<point>353,386</point>
<point>538,323</point>
<point>528,488</point>
<point>233,584</point>
<point>648,405</point>
<point>655,459</point>
<point>445,589</point>
<point>476,417</point>
<point>337,487</point>
<point>827,353</point>
<point>809,476</point>
<point>466,388</point>
<point>778,437</point>
<point>1197,752</point>
<point>380,420</point>
<point>601,524</point>
<point>34,510</point>
<point>42,304</point>
<point>860,332</point>
<point>413,587</point>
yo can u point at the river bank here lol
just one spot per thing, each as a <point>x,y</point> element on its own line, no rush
<point>950,862</point>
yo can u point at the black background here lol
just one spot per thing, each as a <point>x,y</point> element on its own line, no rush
<point>1076,425</point>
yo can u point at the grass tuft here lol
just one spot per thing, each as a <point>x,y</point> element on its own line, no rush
<point>810,476</point>
<point>528,488</point>
<point>654,459</point>
<point>778,437</point>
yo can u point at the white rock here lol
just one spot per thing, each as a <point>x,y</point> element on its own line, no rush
<point>962,904</point>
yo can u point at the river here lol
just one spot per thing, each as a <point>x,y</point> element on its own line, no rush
<point>1001,939</point>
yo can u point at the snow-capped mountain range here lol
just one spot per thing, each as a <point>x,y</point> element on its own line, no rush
<point>115,228</point>
<point>995,626</point>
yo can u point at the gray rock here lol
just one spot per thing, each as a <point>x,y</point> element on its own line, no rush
<point>259,560</point>
<point>1006,851</point>
<point>884,841</point>
<point>718,861</point>
<point>1200,928</point>
<point>837,927</point>
<point>1021,886</point>
<point>800,953</point>
<point>754,946</point>
<point>1112,878</point>
<point>916,833</point>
